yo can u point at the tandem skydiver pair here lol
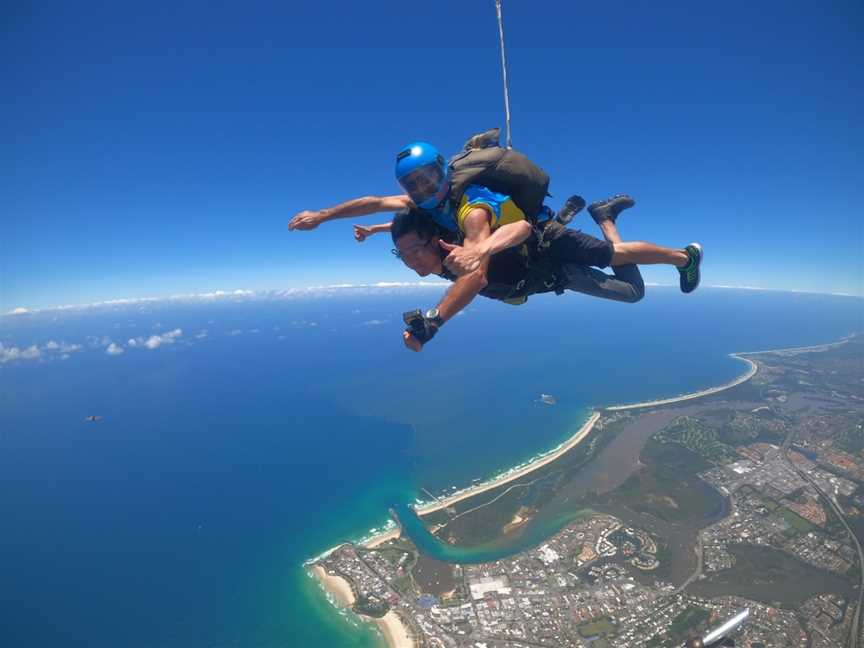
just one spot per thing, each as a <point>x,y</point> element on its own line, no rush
<point>480,221</point>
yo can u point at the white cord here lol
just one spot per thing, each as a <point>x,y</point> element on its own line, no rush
<point>504,69</point>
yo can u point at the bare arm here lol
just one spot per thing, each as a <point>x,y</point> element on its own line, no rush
<point>467,258</point>
<point>362,232</point>
<point>469,285</point>
<point>310,219</point>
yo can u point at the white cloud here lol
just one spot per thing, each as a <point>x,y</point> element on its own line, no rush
<point>308,292</point>
<point>114,349</point>
<point>374,322</point>
<point>51,349</point>
<point>302,323</point>
<point>322,291</point>
<point>235,332</point>
<point>200,335</point>
<point>155,341</point>
<point>10,354</point>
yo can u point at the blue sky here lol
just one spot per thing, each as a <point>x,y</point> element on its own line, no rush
<point>162,148</point>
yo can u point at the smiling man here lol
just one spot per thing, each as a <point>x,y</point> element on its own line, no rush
<point>516,261</point>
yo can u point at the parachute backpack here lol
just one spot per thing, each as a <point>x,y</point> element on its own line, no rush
<point>484,162</point>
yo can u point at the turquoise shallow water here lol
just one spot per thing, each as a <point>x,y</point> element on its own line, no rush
<point>227,458</point>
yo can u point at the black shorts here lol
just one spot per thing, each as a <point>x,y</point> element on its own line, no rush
<point>575,246</point>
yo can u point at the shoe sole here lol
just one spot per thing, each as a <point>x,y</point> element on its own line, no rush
<point>599,204</point>
<point>701,259</point>
<point>569,217</point>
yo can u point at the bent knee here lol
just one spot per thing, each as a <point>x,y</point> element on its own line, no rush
<point>636,293</point>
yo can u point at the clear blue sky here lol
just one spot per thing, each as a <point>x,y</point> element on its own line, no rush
<point>159,148</point>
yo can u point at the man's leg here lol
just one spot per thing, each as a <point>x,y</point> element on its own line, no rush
<point>574,252</point>
<point>687,260</point>
<point>625,286</point>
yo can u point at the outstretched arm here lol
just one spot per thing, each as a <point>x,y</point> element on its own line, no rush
<point>467,258</point>
<point>469,285</point>
<point>362,232</point>
<point>310,219</point>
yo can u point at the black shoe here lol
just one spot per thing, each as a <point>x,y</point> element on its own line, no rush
<point>690,274</point>
<point>572,206</point>
<point>608,209</point>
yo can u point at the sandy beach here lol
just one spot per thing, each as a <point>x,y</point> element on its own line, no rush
<point>699,394</point>
<point>516,474</point>
<point>395,633</point>
<point>381,538</point>
<point>338,587</point>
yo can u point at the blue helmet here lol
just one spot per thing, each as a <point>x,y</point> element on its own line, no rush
<point>423,173</point>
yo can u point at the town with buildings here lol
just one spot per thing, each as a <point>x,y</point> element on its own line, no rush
<point>783,452</point>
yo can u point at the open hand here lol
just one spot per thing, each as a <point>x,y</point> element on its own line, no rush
<point>411,342</point>
<point>361,232</point>
<point>306,220</point>
<point>461,260</point>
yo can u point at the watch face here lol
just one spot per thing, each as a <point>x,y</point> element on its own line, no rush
<point>432,313</point>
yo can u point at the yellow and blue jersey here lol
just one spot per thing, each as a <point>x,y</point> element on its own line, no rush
<point>500,207</point>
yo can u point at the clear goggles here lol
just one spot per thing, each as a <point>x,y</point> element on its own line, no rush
<point>423,183</point>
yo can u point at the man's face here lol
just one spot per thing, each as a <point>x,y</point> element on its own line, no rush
<point>422,256</point>
<point>425,184</point>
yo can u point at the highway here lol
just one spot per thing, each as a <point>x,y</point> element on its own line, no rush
<point>855,630</point>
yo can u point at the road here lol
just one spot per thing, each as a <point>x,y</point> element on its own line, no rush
<point>855,630</point>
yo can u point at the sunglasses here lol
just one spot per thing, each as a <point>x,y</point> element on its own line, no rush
<point>410,251</point>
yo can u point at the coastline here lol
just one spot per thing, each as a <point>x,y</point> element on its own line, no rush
<point>336,586</point>
<point>390,625</point>
<point>586,428</point>
<point>747,375</point>
<point>510,476</point>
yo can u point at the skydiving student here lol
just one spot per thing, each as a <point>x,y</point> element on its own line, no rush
<point>447,206</point>
<point>512,275</point>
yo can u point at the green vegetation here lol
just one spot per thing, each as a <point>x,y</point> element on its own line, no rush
<point>850,432</point>
<point>367,607</point>
<point>798,524</point>
<point>394,556</point>
<point>694,434</point>
<point>596,628</point>
<point>675,457</point>
<point>771,576</point>
<point>688,620</point>
<point>667,490</point>
<point>403,584</point>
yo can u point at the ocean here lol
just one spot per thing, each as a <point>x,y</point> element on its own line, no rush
<point>242,436</point>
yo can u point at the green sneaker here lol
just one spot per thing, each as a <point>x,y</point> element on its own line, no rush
<point>690,274</point>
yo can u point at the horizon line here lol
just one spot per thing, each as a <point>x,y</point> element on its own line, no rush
<point>288,293</point>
